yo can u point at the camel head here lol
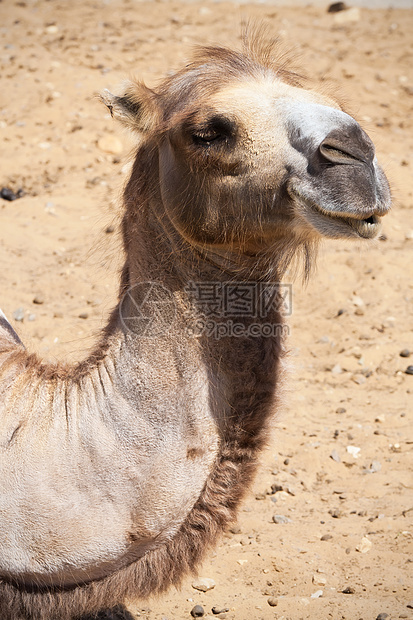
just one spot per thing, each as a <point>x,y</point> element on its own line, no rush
<point>246,157</point>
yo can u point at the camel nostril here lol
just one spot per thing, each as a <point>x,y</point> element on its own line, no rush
<point>349,145</point>
<point>338,154</point>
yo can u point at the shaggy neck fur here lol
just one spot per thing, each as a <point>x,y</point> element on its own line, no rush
<point>243,376</point>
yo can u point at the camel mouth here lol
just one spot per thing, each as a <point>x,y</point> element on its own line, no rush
<point>367,228</point>
<point>331,223</point>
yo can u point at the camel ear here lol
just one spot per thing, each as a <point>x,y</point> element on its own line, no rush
<point>135,108</point>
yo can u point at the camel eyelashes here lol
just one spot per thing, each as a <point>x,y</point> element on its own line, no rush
<point>217,129</point>
<point>207,138</point>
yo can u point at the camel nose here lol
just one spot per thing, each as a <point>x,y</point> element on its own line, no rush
<point>347,146</point>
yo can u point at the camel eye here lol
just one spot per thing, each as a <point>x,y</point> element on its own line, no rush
<point>207,138</point>
<point>216,130</point>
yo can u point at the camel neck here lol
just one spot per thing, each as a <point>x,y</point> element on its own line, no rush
<point>196,306</point>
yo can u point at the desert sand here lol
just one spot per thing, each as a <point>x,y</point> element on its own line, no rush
<point>339,466</point>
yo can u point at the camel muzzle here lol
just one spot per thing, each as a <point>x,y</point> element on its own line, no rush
<point>337,184</point>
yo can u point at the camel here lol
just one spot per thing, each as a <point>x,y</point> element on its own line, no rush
<point>119,473</point>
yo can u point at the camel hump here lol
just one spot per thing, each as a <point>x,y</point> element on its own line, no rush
<point>7,332</point>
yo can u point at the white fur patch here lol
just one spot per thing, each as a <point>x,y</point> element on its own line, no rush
<point>314,121</point>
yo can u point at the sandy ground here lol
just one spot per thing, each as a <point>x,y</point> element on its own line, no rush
<point>347,387</point>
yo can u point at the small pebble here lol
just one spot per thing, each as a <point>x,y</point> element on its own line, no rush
<point>203,584</point>
<point>109,229</point>
<point>382,616</point>
<point>410,605</point>
<point>197,611</point>
<point>18,315</point>
<point>326,537</point>
<point>357,301</point>
<point>348,590</point>
<point>364,546</point>
<point>335,456</point>
<point>336,514</point>
<point>375,467</point>
<point>317,594</point>
<point>359,379</point>
<point>404,353</point>
<point>276,487</point>
<point>336,7</point>
<point>409,370</point>
<point>281,519</point>
<point>83,315</point>
<point>319,580</point>
<point>219,610</point>
<point>341,410</point>
<point>7,194</point>
<point>282,488</point>
<point>354,451</point>
<point>235,529</point>
<point>272,601</point>
<point>39,299</point>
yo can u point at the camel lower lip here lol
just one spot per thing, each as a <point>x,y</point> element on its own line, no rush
<point>367,228</point>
